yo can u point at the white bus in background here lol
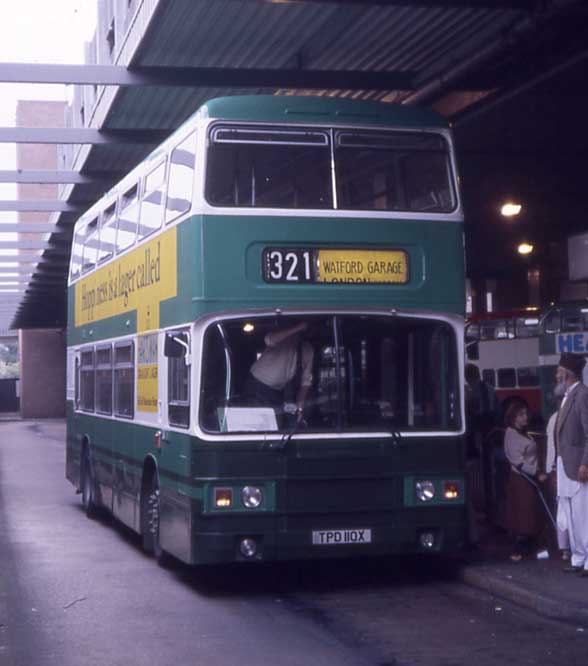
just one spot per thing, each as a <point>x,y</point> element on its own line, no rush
<point>505,346</point>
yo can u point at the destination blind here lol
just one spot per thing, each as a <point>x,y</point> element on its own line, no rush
<point>334,266</point>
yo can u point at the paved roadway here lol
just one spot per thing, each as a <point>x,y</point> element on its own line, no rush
<point>76,592</point>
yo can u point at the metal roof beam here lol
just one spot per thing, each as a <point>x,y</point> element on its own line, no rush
<point>40,206</point>
<point>81,135</point>
<point>21,259</point>
<point>204,77</point>
<point>46,177</point>
<point>23,244</point>
<point>29,228</point>
<point>44,279</point>
<point>24,270</point>
<point>489,4</point>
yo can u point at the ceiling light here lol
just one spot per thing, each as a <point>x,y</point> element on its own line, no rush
<point>525,248</point>
<point>510,209</point>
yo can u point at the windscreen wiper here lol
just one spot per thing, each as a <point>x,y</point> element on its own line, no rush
<point>287,436</point>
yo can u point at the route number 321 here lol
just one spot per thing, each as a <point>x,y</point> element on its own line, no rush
<point>288,265</point>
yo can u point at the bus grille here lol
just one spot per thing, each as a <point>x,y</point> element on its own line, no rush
<point>345,495</point>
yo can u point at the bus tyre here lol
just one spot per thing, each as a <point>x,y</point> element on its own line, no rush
<point>150,524</point>
<point>88,495</point>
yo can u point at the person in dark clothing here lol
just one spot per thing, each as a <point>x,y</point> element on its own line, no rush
<point>481,401</point>
<point>481,419</point>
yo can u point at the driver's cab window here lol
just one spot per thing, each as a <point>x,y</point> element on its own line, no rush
<point>177,348</point>
<point>328,374</point>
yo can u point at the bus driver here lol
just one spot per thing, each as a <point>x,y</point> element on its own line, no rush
<point>283,372</point>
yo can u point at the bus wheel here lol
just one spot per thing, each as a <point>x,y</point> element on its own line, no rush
<point>88,497</point>
<point>150,507</point>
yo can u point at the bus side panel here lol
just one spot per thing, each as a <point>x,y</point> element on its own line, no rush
<point>176,490</point>
<point>123,445</point>
<point>73,448</point>
<point>102,456</point>
<point>175,524</point>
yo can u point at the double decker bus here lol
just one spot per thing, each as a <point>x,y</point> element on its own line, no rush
<point>564,328</point>
<point>505,347</point>
<point>260,214</point>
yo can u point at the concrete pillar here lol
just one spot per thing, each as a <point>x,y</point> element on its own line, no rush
<point>42,373</point>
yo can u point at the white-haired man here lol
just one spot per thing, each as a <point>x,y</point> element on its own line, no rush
<point>571,440</point>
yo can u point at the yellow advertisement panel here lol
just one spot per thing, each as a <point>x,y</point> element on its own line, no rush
<point>147,388</point>
<point>375,266</point>
<point>139,281</point>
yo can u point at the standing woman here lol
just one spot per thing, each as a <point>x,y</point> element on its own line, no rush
<point>524,513</point>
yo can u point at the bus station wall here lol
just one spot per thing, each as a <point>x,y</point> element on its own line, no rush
<point>42,372</point>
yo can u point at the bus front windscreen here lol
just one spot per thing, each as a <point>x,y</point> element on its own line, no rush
<point>326,374</point>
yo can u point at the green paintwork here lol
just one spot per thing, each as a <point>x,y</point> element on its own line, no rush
<point>267,505</point>
<point>410,498</point>
<point>215,275</point>
<point>312,110</point>
<point>323,110</point>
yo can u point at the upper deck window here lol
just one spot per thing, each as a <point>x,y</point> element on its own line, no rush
<point>527,327</point>
<point>128,216</point>
<point>574,321</point>
<point>497,329</point>
<point>393,171</point>
<point>107,234</point>
<point>91,241</point>
<point>259,168</point>
<point>152,201</point>
<point>77,249</point>
<point>181,178</point>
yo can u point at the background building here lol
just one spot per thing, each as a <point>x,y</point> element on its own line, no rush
<point>42,351</point>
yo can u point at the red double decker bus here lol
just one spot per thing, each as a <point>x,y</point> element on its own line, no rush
<point>505,346</point>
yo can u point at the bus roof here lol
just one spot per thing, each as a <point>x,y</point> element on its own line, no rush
<point>567,305</point>
<point>504,314</point>
<point>325,110</point>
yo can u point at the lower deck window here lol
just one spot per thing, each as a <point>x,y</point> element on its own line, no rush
<point>124,380</point>
<point>359,373</point>
<point>104,380</point>
<point>86,397</point>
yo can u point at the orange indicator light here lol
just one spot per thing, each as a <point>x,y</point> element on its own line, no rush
<point>450,490</point>
<point>223,498</point>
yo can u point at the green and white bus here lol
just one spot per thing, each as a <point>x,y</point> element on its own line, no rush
<point>258,214</point>
<point>563,328</point>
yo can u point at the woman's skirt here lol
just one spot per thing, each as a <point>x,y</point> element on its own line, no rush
<point>524,515</point>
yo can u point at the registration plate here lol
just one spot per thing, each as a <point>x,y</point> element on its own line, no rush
<point>337,537</point>
<point>299,265</point>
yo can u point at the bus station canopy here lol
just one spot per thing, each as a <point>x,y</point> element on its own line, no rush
<point>156,62</point>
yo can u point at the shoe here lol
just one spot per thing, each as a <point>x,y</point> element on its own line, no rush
<point>584,573</point>
<point>516,557</point>
<point>572,569</point>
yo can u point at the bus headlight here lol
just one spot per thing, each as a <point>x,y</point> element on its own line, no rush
<point>251,496</point>
<point>425,490</point>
